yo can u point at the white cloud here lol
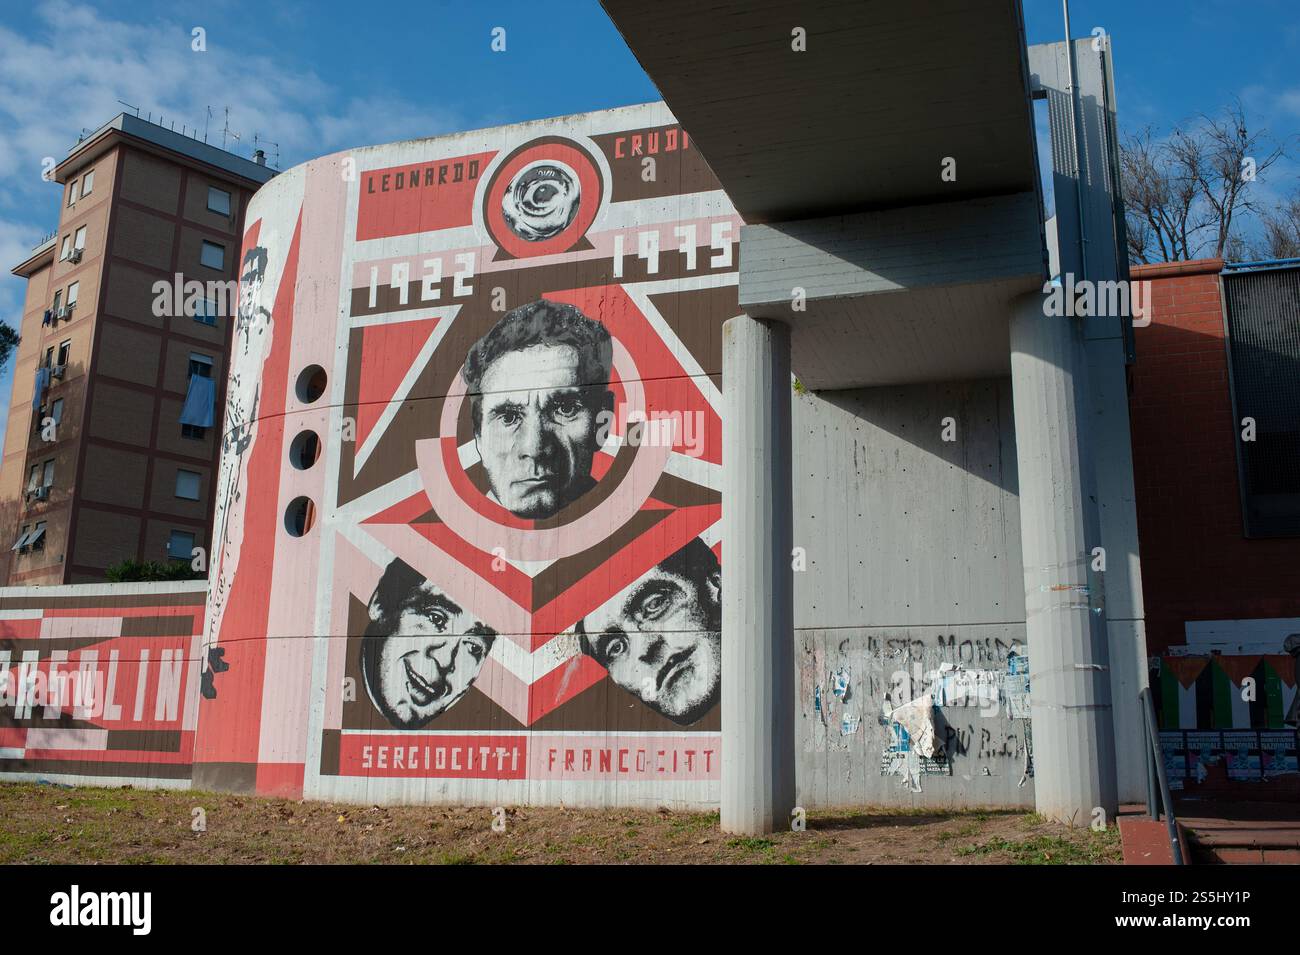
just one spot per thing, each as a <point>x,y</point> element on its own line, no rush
<point>69,73</point>
<point>86,63</point>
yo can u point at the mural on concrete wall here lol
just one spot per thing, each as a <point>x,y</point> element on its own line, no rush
<point>493,570</point>
<point>100,683</point>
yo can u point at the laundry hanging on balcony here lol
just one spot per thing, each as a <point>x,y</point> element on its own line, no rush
<point>199,402</point>
<point>38,390</point>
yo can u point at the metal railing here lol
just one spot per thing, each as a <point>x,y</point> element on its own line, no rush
<point>1158,797</point>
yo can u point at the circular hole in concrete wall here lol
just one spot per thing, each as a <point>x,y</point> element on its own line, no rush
<point>311,384</point>
<point>299,516</point>
<point>304,450</point>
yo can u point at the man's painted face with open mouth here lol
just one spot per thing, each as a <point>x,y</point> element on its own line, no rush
<point>431,660</point>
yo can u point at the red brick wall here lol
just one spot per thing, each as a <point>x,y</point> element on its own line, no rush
<point>1196,561</point>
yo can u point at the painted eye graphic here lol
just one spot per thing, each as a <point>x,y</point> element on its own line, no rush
<point>655,604</point>
<point>614,649</point>
<point>568,408</point>
<point>541,201</point>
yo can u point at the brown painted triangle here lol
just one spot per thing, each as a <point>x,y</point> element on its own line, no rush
<point>696,318</point>
<point>563,574</point>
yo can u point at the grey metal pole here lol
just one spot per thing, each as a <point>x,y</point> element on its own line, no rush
<point>1076,136</point>
<point>1074,736</point>
<point>758,684</point>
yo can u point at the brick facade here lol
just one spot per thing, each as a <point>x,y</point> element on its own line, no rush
<point>1197,563</point>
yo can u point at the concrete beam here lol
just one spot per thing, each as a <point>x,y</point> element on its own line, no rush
<point>896,296</point>
<point>758,758</point>
<point>804,109</point>
<point>943,244</point>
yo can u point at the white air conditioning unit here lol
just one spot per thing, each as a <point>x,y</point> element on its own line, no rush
<point>57,371</point>
<point>41,493</point>
<point>75,255</point>
<point>62,312</point>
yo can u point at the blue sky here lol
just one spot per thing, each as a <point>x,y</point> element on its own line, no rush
<point>317,75</point>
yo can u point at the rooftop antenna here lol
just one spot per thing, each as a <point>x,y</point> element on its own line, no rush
<point>227,132</point>
<point>258,141</point>
<point>207,120</point>
<point>136,109</point>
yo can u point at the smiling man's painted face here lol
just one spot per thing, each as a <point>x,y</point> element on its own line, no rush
<point>428,658</point>
<point>537,435</point>
<point>661,638</point>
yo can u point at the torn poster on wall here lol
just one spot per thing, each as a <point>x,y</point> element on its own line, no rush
<point>900,759</point>
<point>916,725</point>
<point>1015,688</point>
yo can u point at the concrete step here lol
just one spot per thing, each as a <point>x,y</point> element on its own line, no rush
<point>1241,832</point>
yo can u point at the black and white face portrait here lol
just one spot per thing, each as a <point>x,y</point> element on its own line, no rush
<point>422,651</point>
<point>661,637</point>
<point>541,200</point>
<point>538,382</point>
<point>251,312</point>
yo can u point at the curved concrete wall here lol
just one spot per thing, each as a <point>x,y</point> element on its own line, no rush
<point>481,565</point>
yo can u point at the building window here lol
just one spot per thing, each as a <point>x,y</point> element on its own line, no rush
<point>49,357</point>
<point>205,312</point>
<point>34,477</point>
<point>193,432</point>
<point>58,300</point>
<point>72,193</point>
<point>200,365</point>
<point>65,352</point>
<point>1264,374</point>
<point>180,546</point>
<point>36,541</point>
<point>23,534</point>
<point>213,255</point>
<point>218,201</point>
<point>87,183</point>
<point>79,242</point>
<point>47,475</point>
<point>72,293</point>
<point>56,411</point>
<point>66,249</point>
<point>187,484</point>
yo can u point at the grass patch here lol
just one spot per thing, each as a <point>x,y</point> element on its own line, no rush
<point>752,844</point>
<point>1096,847</point>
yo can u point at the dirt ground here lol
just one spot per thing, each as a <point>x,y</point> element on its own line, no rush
<point>44,823</point>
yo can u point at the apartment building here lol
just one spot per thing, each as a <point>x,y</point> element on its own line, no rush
<point>98,466</point>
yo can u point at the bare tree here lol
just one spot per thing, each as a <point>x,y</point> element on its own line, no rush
<point>1232,158</point>
<point>1160,202</point>
<point>1185,195</point>
<point>1279,231</point>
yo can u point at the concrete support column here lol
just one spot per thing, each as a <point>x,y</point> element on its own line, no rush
<point>1073,732</point>
<point>758,757</point>
<point>1125,624</point>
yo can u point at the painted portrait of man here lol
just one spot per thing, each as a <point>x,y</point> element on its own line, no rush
<point>661,637</point>
<point>252,343</point>
<point>538,382</point>
<point>422,651</point>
